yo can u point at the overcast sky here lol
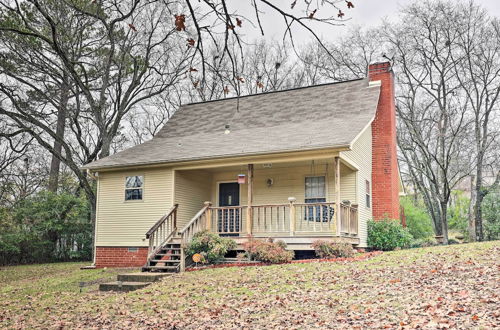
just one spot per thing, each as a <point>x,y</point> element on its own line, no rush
<point>365,13</point>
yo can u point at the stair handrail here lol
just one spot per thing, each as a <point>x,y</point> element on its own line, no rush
<point>162,230</point>
<point>194,225</point>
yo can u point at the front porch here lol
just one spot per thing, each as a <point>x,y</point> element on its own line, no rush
<point>294,201</point>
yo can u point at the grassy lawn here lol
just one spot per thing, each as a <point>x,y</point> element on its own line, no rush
<point>454,286</point>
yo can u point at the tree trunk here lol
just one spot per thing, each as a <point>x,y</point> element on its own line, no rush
<point>55,164</point>
<point>472,209</point>
<point>444,222</point>
<point>92,198</point>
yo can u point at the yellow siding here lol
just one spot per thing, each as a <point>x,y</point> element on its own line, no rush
<point>287,182</point>
<point>361,156</point>
<point>347,184</point>
<point>125,223</point>
<point>192,189</point>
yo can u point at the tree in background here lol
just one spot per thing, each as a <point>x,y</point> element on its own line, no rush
<point>477,66</point>
<point>491,213</point>
<point>417,218</point>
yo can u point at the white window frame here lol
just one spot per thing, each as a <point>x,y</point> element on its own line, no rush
<point>368,195</point>
<point>316,197</point>
<point>134,188</point>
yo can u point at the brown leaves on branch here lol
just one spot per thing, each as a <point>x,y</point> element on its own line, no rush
<point>239,22</point>
<point>131,26</point>
<point>226,90</point>
<point>260,85</point>
<point>311,15</point>
<point>191,69</point>
<point>349,4</point>
<point>191,42</point>
<point>240,79</point>
<point>340,14</point>
<point>180,21</point>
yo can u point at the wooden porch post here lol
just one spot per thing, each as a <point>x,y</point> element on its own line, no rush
<point>250,199</point>
<point>337,194</point>
<point>208,215</point>
<point>292,200</point>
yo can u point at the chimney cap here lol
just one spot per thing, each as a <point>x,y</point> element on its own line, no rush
<point>379,67</point>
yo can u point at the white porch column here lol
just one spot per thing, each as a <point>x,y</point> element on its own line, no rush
<point>337,194</point>
<point>250,199</point>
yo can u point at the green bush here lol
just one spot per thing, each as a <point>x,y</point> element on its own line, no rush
<point>418,221</point>
<point>491,215</point>
<point>211,246</point>
<point>458,213</point>
<point>268,251</point>
<point>325,249</point>
<point>47,227</point>
<point>387,235</point>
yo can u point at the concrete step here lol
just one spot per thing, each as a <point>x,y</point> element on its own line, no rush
<point>122,286</point>
<point>141,277</point>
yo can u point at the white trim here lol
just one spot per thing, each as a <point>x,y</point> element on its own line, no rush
<point>217,190</point>
<point>361,133</point>
<point>326,185</point>
<point>347,162</point>
<point>96,219</point>
<point>143,188</point>
<point>174,174</point>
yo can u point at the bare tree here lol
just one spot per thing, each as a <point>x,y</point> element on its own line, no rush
<point>477,66</point>
<point>434,122</point>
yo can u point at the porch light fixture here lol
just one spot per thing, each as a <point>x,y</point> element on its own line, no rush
<point>241,178</point>
<point>227,131</point>
<point>269,182</point>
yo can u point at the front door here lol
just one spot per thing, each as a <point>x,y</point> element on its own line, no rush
<point>229,219</point>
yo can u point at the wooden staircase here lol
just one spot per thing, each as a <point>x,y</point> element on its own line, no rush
<point>166,259</point>
<point>166,244</point>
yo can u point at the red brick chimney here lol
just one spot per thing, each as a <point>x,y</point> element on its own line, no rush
<point>385,173</point>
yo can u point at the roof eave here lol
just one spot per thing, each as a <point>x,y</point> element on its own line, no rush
<point>338,148</point>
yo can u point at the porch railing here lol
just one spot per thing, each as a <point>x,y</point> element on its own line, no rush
<point>315,217</point>
<point>348,219</point>
<point>289,218</point>
<point>162,231</point>
<point>230,220</point>
<point>198,223</point>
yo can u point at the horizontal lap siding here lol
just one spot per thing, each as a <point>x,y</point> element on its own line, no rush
<point>121,223</point>
<point>192,189</point>
<point>347,184</point>
<point>287,182</point>
<point>361,155</point>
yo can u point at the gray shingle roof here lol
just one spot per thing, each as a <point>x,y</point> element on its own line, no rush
<point>321,116</point>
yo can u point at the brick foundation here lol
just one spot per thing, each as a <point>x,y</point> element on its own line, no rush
<point>120,257</point>
<point>385,173</point>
